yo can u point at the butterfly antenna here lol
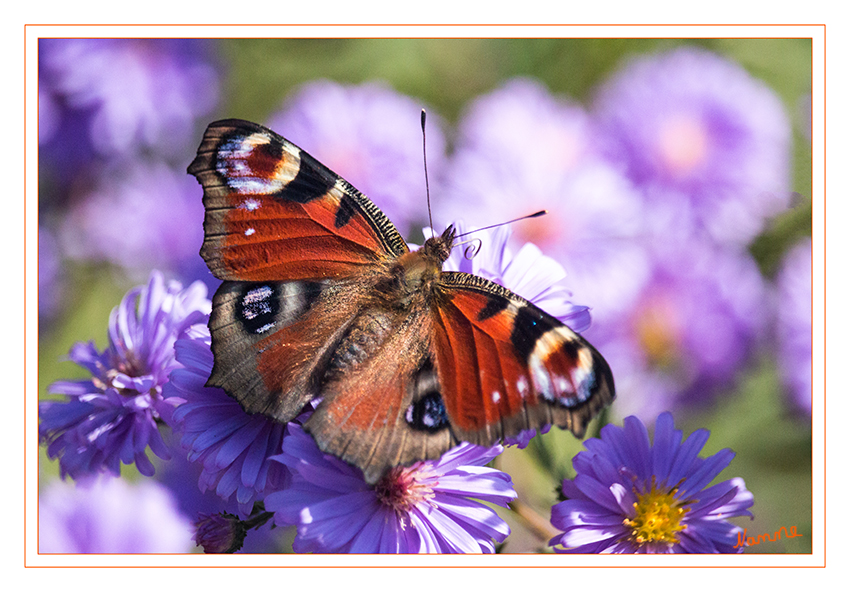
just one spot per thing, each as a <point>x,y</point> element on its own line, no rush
<point>473,247</point>
<point>534,215</point>
<point>425,161</point>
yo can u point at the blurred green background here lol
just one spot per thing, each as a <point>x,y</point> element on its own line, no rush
<point>773,447</point>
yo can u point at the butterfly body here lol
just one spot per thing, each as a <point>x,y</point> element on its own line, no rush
<point>323,299</point>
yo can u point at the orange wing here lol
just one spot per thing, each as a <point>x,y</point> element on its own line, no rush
<point>275,213</point>
<point>297,247</point>
<point>504,365</point>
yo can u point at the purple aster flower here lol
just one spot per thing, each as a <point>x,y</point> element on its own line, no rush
<point>697,133</point>
<point>112,417</point>
<point>630,496</point>
<point>110,515</point>
<point>233,447</point>
<point>695,325</point>
<point>521,150</point>
<point>371,136</point>
<point>155,219</point>
<point>429,507</point>
<point>133,94</point>
<point>794,324</point>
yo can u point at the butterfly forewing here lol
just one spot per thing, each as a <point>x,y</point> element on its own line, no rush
<point>274,213</point>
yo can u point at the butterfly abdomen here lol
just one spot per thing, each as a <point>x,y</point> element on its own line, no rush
<point>366,335</point>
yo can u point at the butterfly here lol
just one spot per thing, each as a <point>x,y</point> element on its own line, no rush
<point>323,299</point>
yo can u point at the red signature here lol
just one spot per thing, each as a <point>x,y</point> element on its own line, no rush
<point>745,541</point>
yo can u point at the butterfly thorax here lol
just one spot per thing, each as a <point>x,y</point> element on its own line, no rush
<point>415,272</point>
<point>408,286</point>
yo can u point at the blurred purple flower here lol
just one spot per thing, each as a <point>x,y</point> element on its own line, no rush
<point>429,507</point>
<point>109,515</point>
<point>529,273</point>
<point>49,274</point>
<point>233,447</point>
<point>520,150</point>
<point>134,94</point>
<point>113,416</point>
<point>630,496</point>
<point>139,217</point>
<point>48,114</point>
<point>370,135</point>
<point>703,139</point>
<point>794,324</point>
<point>694,326</point>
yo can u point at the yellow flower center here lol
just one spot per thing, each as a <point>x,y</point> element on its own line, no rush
<point>658,516</point>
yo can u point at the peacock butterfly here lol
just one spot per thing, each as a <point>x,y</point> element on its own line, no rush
<point>322,298</point>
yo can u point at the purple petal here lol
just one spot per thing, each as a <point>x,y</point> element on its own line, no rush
<point>595,490</point>
<point>687,455</point>
<point>708,470</point>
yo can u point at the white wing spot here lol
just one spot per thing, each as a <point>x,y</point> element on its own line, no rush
<point>522,386</point>
<point>496,397</point>
<point>250,204</point>
<point>249,232</point>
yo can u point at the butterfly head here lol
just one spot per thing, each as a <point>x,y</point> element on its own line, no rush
<point>437,248</point>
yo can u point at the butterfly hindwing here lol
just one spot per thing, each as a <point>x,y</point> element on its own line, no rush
<point>275,213</point>
<point>504,365</point>
<point>271,340</point>
<point>381,402</point>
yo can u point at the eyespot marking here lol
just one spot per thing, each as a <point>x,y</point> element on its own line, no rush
<point>258,309</point>
<point>255,164</point>
<point>428,413</point>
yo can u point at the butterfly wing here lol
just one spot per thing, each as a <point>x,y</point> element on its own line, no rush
<point>375,410</point>
<point>505,366</point>
<point>275,213</point>
<point>298,248</point>
<point>272,340</point>
<point>479,363</point>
